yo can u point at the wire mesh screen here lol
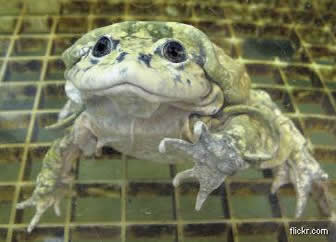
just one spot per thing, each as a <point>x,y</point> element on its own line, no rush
<point>288,48</point>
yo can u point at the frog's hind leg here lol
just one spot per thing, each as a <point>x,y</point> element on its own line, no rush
<point>302,170</point>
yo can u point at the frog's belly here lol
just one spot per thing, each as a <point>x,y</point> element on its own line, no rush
<point>141,141</point>
<point>146,149</point>
<point>139,137</point>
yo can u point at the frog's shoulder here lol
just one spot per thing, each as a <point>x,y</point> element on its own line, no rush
<point>235,82</point>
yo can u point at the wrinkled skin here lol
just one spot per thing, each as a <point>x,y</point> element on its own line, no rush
<point>135,99</point>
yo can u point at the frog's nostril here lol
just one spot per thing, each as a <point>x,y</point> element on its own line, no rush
<point>145,59</point>
<point>121,57</point>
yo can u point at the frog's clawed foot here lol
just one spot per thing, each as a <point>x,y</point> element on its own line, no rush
<point>215,157</point>
<point>302,171</point>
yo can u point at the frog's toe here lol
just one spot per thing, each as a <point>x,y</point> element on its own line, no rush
<point>208,183</point>
<point>57,209</point>
<point>35,220</point>
<point>302,198</point>
<point>303,172</point>
<point>27,203</point>
<point>201,198</point>
<point>281,177</point>
<point>200,129</point>
<point>175,144</point>
<point>184,175</point>
<point>303,186</point>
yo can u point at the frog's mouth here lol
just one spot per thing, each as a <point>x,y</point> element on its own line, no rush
<point>125,88</point>
<point>165,83</point>
<point>132,79</point>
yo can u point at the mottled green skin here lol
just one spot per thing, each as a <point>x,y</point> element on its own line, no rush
<point>200,110</point>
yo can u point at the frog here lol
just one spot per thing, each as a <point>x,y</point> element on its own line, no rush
<point>164,92</point>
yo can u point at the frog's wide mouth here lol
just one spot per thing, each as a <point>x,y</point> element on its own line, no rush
<point>130,92</point>
<point>154,84</point>
<point>127,88</point>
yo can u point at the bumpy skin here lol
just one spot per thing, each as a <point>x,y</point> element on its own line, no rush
<point>201,109</point>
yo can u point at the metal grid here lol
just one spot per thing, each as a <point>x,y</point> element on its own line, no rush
<point>289,50</point>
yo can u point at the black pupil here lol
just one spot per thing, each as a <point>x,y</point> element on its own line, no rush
<point>102,47</point>
<point>174,52</point>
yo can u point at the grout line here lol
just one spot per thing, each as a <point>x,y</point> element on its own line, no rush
<point>125,175</point>
<point>173,222</point>
<point>33,57</point>
<point>32,83</point>
<point>11,44</point>
<point>176,206</point>
<point>232,221</point>
<point>255,181</point>
<point>70,204</point>
<point>31,127</point>
<point>41,35</point>
<point>124,185</point>
<point>16,195</point>
<point>123,223</point>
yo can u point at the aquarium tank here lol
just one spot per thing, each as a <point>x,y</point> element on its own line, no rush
<point>287,48</point>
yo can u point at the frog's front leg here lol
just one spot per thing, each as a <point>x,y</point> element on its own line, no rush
<point>215,157</point>
<point>55,172</point>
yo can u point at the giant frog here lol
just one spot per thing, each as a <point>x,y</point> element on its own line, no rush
<point>162,91</point>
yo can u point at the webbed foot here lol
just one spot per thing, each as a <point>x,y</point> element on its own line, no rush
<point>302,170</point>
<point>42,203</point>
<point>215,157</point>
<point>45,195</point>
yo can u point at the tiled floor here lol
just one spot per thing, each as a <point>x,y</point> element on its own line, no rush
<point>289,50</point>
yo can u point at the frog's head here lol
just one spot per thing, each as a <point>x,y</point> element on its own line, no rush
<point>154,62</point>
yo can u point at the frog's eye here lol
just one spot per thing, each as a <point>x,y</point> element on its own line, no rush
<point>174,51</point>
<point>102,47</point>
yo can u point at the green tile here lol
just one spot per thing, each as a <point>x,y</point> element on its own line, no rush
<point>248,174</point>
<point>34,170</point>
<point>9,171</point>
<point>288,205</point>
<point>184,166</point>
<point>46,135</point>
<point>144,233</point>
<point>100,169</point>
<point>142,169</point>
<point>330,168</point>
<point>6,197</point>
<point>206,232</point>
<point>258,237</point>
<point>17,135</point>
<point>3,235</point>
<point>5,208</point>
<point>323,138</point>
<point>96,233</point>
<point>150,208</point>
<point>252,206</point>
<point>98,209</point>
